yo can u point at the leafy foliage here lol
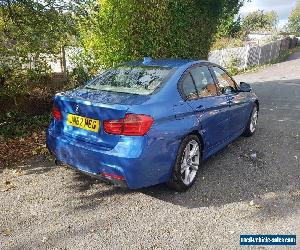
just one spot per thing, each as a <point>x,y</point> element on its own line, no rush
<point>233,66</point>
<point>259,21</point>
<point>294,19</point>
<point>122,30</point>
<point>227,42</point>
<point>110,32</point>
<point>29,32</point>
<point>229,28</point>
<point>16,124</point>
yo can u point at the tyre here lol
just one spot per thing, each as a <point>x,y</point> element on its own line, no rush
<point>187,163</point>
<point>251,126</point>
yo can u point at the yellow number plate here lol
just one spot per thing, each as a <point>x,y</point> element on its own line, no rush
<point>83,122</point>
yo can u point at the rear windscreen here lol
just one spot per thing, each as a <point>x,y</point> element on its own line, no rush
<point>135,80</point>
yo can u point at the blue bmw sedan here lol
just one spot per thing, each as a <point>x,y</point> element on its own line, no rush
<point>152,121</point>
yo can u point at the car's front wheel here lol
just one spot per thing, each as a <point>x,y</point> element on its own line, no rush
<point>251,126</point>
<point>187,164</point>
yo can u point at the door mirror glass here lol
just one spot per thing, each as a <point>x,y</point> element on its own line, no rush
<point>245,87</point>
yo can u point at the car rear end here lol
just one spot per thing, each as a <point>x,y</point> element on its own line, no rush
<point>101,137</point>
<point>101,140</point>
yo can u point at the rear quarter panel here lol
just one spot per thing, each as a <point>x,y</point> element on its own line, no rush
<point>173,120</point>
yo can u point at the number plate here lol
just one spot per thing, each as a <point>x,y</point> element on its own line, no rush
<point>83,122</point>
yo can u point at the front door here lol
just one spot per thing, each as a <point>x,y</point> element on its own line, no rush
<point>236,100</point>
<point>211,110</point>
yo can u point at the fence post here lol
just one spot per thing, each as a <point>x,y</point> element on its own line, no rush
<point>281,45</point>
<point>270,55</point>
<point>278,48</point>
<point>221,61</point>
<point>247,56</point>
<point>259,55</point>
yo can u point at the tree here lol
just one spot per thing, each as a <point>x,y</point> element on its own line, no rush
<point>122,30</point>
<point>29,30</point>
<point>294,19</point>
<point>229,28</point>
<point>34,26</point>
<point>259,21</point>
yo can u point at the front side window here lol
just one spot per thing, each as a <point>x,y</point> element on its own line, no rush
<point>142,80</point>
<point>225,82</point>
<point>204,82</point>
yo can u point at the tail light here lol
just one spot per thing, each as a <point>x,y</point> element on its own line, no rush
<point>131,124</point>
<point>56,113</point>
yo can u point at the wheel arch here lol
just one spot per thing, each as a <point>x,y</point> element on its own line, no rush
<point>196,132</point>
<point>257,104</point>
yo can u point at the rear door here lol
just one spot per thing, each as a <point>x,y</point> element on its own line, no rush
<point>238,101</point>
<point>212,111</point>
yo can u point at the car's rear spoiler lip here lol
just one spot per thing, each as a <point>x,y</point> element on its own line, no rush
<point>61,97</point>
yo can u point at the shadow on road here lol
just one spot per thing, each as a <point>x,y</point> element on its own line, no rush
<point>36,165</point>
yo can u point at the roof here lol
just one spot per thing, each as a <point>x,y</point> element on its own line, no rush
<point>168,63</point>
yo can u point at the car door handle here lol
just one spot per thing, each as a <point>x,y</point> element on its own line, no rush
<point>199,108</point>
<point>229,98</point>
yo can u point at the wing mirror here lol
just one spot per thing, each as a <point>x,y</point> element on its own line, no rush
<point>245,87</point>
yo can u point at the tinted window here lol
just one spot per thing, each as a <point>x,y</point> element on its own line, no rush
<point>204,82</point>
<point>135,80</point>
<point>225,83</point>
<point>188,87</point>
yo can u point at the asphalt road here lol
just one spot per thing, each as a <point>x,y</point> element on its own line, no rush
<point>51,207</point>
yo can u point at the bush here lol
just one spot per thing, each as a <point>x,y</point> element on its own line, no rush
<point>227,42</point>
<point>127,30</point>
<point>84,68</point>
<point>13,82</point>
<point>77,77</point>
<point>233,66</point>
<point>30,30</point>
<point>15,124</point>
<point>15,79</point>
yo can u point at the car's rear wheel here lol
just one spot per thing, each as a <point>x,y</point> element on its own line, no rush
<point>251,126</point>
<point>187,164</point>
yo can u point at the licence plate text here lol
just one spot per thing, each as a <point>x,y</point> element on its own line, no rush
<point>83,122</point>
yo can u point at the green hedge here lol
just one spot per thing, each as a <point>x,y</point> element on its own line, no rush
<point>122,30</point>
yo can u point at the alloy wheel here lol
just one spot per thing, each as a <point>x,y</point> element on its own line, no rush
<point>253,121</point>
<point>190,162</point>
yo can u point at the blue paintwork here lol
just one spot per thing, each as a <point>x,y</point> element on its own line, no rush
<point>146,160</point>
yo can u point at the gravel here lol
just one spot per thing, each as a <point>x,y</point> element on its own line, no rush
<point>250,187</point>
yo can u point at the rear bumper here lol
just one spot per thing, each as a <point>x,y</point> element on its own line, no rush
<point>116,182</point>
<point>128,164</point>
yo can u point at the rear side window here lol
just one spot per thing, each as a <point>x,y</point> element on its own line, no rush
<point>198,83</point>
<point>142,80</point>
<point>188,87</point>
<point>204,82</point>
